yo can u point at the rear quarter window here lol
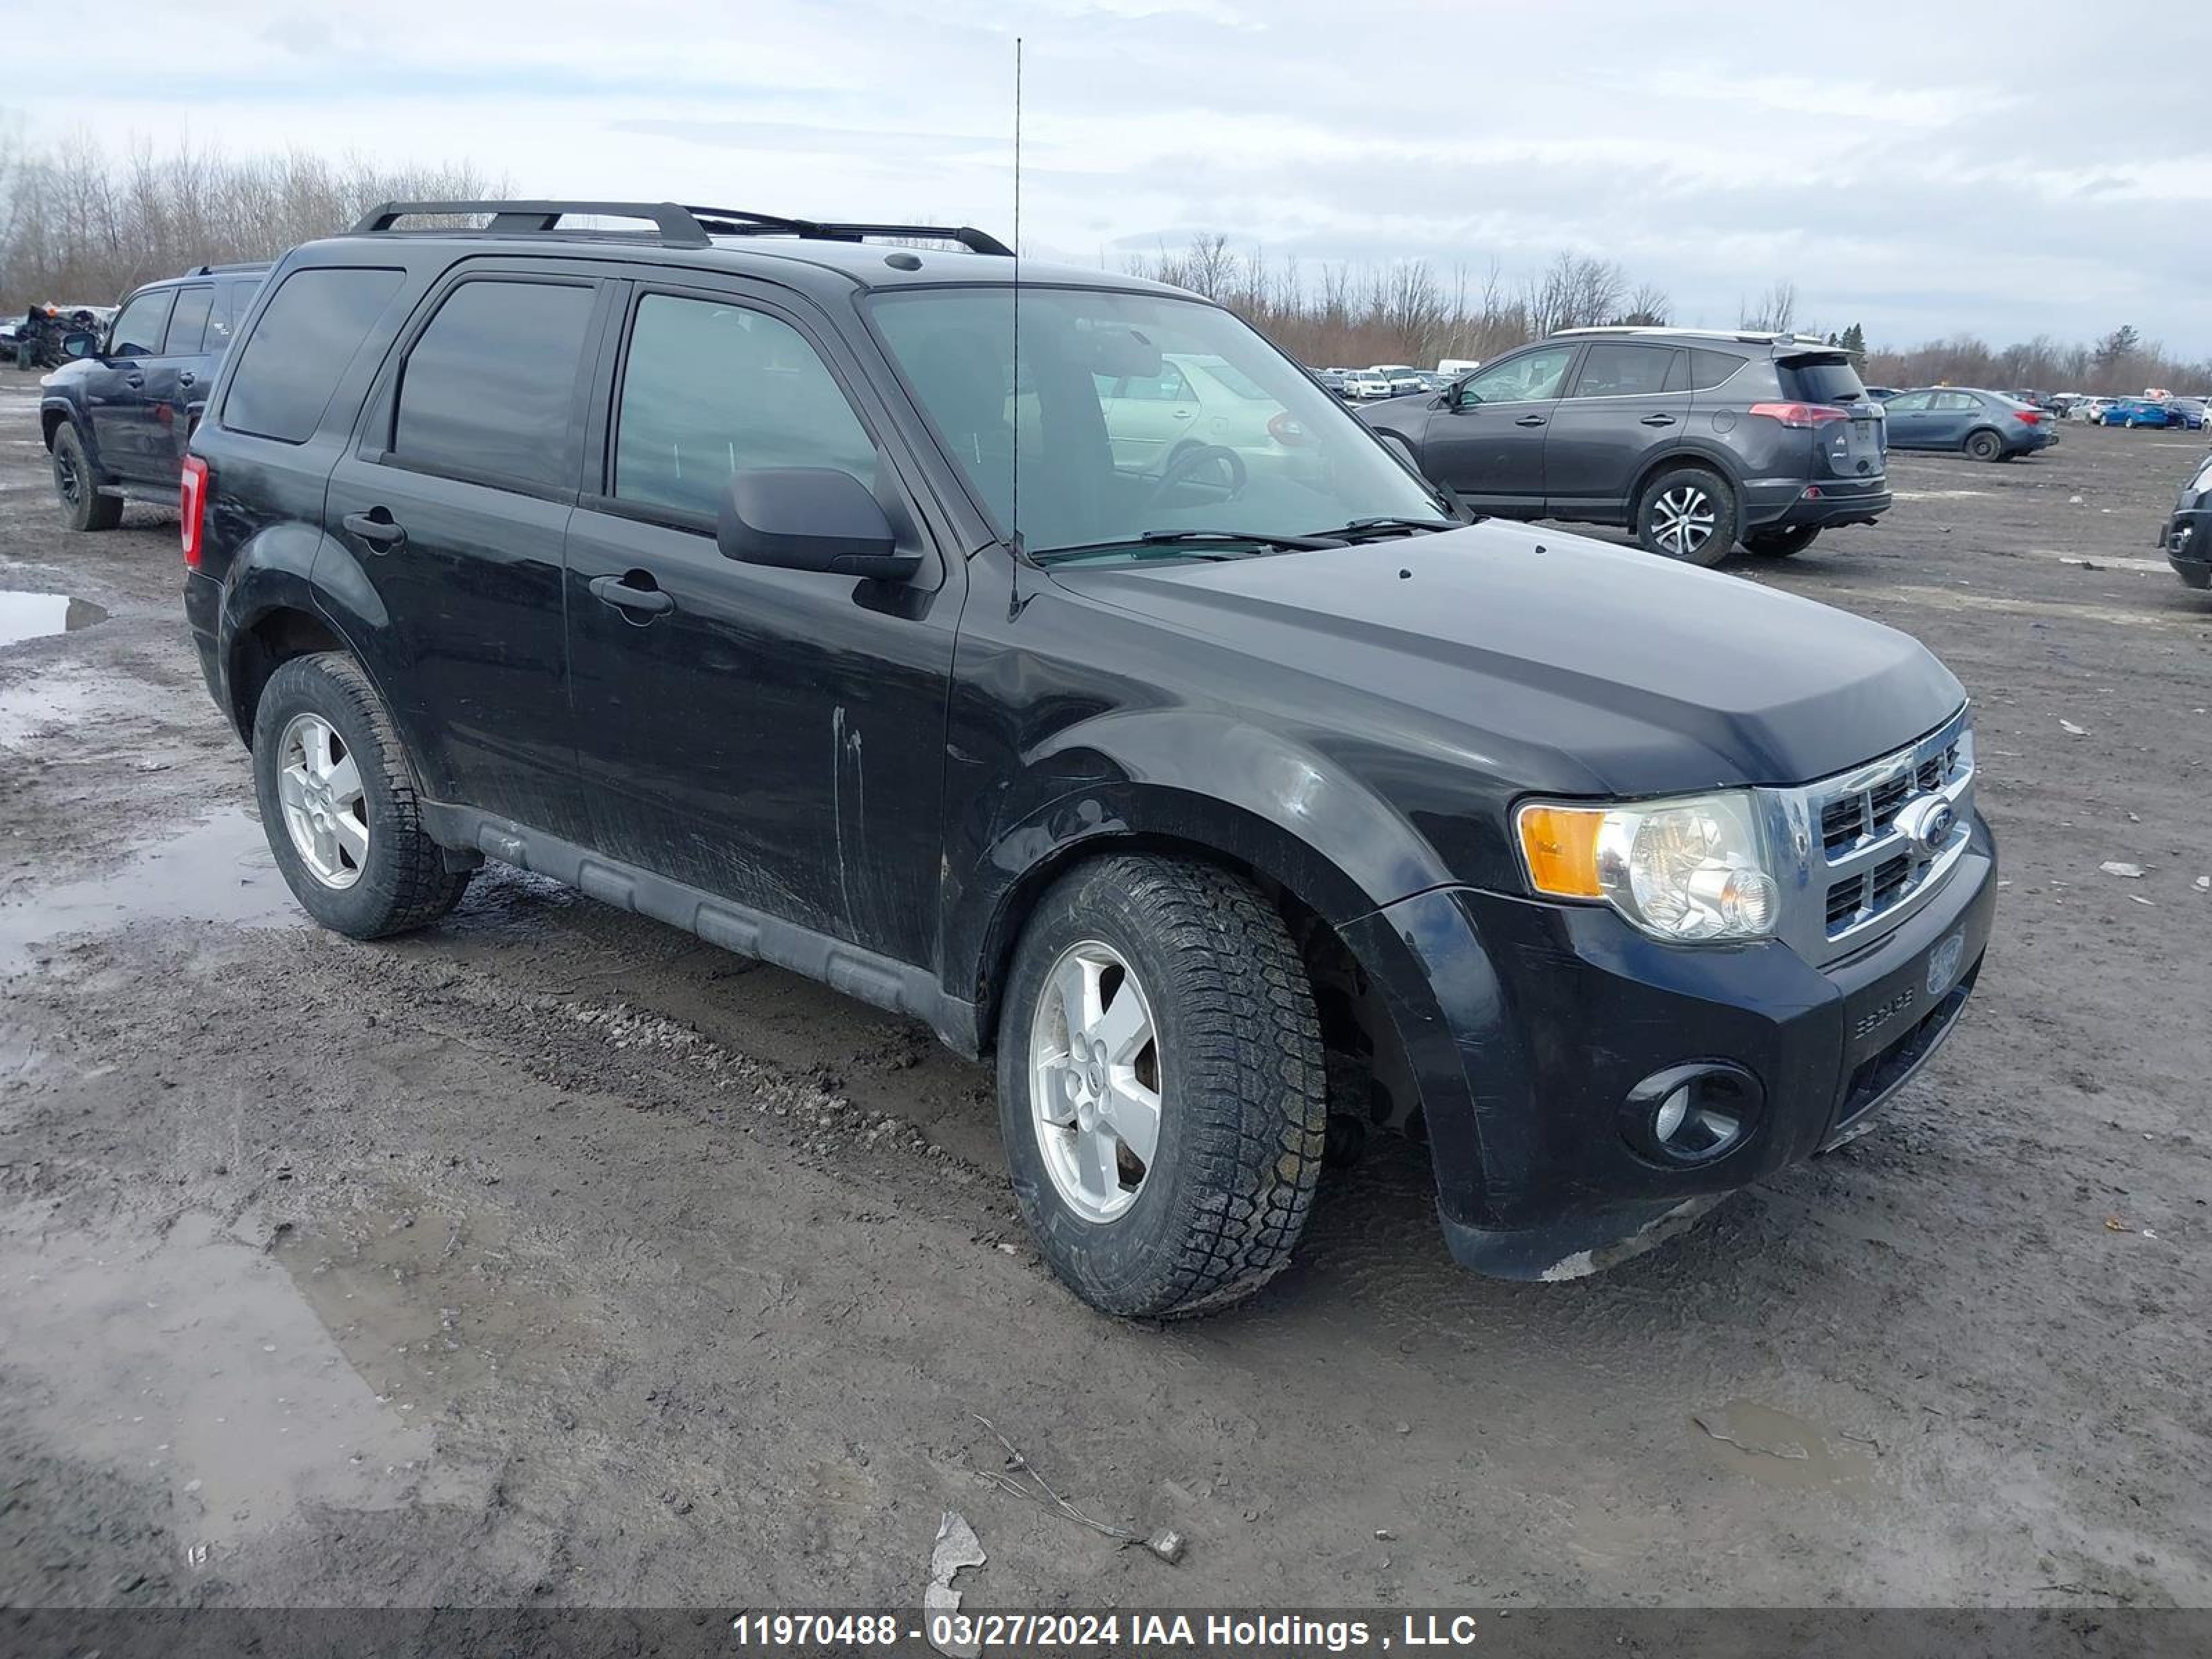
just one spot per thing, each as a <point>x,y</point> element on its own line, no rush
<point>1822,380</point>
<point>306,336</point>
<point>1708,368</point>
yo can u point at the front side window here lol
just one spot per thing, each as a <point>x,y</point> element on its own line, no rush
<point>1096,472</point>
<point>1626,371</point>
<point>1530,378</point>
<point>296,355</point>
<point>188,325</point>
<point>487,392</point>
<point>139,329</point>
<point>710,387</point>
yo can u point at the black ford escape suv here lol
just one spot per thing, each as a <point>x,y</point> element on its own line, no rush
<point>813,596</point>
<point>1694,440</point>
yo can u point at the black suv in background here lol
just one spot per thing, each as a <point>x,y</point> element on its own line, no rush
<point>1695,441</point>
<point>117,418</point>
<point>730,573</point>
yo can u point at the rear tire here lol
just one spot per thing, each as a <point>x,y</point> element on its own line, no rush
<point>346,833</point>
<point>1781,543</point>
<point>78,486</point>
<point>1239,1113</point>
<point>1687,513</point>
<point>1984,446</point>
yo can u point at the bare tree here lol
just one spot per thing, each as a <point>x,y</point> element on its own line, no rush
<point>1774,312</point>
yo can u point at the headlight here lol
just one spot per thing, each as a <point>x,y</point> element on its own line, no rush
<point>1691,870</point>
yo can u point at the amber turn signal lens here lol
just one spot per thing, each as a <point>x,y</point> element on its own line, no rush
<point>1559,845</point>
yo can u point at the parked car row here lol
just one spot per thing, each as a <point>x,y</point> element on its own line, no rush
<point>1382,380</point>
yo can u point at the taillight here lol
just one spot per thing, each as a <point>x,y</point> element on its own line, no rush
<point>2028,416</point>
<point>192,507</point>
<point>1801,415</point>
<point>1288,430</point>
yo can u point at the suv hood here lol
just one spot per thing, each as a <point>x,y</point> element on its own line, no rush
<point>1554,662</point>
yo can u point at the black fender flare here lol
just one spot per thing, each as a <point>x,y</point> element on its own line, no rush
<point>1199,781</point>
<point>283,569</point>
<point>71,415</point>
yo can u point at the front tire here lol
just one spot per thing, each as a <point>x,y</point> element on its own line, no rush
<point>339,805</point>
<point>1781,543</point>
<point>1984,446</point>
<point>78,486</point>
<point>1162,1091</point>
<point>1688,513</point>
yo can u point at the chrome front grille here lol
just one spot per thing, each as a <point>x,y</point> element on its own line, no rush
<point>1856,872</point>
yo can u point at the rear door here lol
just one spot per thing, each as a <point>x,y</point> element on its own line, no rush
<point>1488,442</point>
<point>1951,416</point>
<point>1849,450</point>
<point>773,736</point>
<point>1628,403</point>
<point>451,508</point>
<point>177,379</point>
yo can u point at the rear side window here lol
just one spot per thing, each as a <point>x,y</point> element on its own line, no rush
<point>308,334</point>
<point>1710,369</point>
<point>1822,380</point>
<point>710,388</point>
<point>139,329</point>
<point>188,323</point>
<point>489,390</point>
<point>1626,371</point>
<point>232,302</point>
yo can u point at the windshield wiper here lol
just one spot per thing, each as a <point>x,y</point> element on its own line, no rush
<point>1368,530</point>
<point>1188,537</point>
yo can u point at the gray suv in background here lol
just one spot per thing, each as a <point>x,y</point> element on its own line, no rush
<point>1694,440</point>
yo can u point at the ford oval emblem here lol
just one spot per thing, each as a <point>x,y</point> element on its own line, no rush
<point>1927,823</point>
<point>1943,963</point>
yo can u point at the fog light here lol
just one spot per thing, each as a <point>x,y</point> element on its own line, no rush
<point>1692,1113</point>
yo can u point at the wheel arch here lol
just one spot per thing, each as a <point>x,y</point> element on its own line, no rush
<point>1689,453</point>
<point>275,608</point>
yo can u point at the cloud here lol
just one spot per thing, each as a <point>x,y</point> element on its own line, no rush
<point>1909,166</point>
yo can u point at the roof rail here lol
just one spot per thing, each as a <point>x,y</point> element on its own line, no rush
<point>217,270</point>
<point>736,222</point>
<point>678,226</point>
<point>1743,336</point>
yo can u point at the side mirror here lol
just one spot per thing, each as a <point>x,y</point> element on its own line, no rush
<point>808,517</point>
<point>79,344</point>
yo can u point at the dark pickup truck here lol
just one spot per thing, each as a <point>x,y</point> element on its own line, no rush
<point>116,418</point>
<point>816,598</point>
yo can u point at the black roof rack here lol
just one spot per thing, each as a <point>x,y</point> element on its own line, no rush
<point>678,226</point>
<point>217,270</point>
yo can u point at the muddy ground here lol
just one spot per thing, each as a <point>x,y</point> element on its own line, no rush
<point>552,1257</point>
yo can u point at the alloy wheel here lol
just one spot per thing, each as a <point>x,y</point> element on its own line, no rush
<point>67,482</point>
<point>1682,520</point>
<point>326,813</point>
<point>1095,1081</point>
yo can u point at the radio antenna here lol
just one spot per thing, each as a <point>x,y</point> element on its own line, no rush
<point>1015,399</point>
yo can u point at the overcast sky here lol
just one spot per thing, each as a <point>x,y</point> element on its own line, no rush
<point>1925,168</point>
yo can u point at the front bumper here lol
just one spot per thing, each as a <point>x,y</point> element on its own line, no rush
<point>1789,503</point>
<point>1528,1025</point>
<point>2186,538</point>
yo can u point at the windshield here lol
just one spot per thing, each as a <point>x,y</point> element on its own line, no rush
<point>1116,442</point>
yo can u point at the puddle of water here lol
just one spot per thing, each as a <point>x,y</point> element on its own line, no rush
<point>218,871</point>
<point>194,1355</point>
<point>39,704</point>
<point>1777,1449</point>
<point>34,616</point>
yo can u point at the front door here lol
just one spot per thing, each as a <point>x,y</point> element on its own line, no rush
<point>1146,416</point>
<point>1911,419</point>
<point>117,395</point>
<point>449,516</point>
<point>1487,443</point>
<point>773,736</point>
<point>1628,404</point>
